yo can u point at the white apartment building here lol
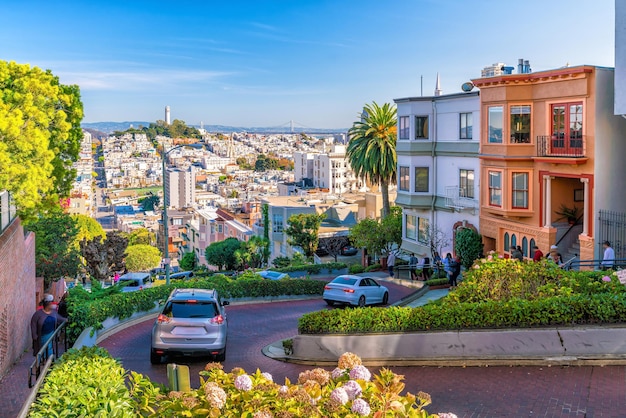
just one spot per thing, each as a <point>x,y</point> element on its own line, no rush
<point>328,170</point>
<point>180,187</point>
<point>438,168</point>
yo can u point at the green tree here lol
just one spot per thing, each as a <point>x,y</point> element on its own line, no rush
<point>40,137</point>
<point>372,148</point>
<point>303,231</point>
<point>188,262</point>
<point>149,202</point>
<point>88,228</point>
<point>103,257</point>
<point>141,257</point>
<point>379,236</point>
<point>55,254</point>
<point>468,246</point>
<point>252,252</point>
<point>222,253</point>
<point>141,236</point>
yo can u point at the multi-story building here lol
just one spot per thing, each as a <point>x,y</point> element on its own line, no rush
<point>550,141</point>
<point>212,225</point>
<point>327,170</point>
<point>438,183</point>
<point>180,187</point>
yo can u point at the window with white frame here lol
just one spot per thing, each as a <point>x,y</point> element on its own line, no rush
<point>495,188</point>
<point>403,127</point>
<point>422,230</point>
<point>277,223</point>
<point>403,179</point>
<point>466,122</point>
<point>520,190</point>
<point>421,179</point>
<point>421,127</point>
<point>495,124</point>
<point>466,183</point>
<point>410,227</point>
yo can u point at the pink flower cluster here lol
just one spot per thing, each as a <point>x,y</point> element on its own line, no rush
<point>360,373</point>
<point>215,395</point>
<point>243,382</point>
<point>340,396</point>
<point>352,388</point>
<point>361,407</point>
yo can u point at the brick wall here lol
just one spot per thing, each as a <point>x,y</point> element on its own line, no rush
<point>17,293</point>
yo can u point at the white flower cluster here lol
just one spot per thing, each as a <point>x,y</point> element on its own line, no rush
<point>243,382</point>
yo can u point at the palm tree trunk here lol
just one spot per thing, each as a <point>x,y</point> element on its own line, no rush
<point>384,189</point>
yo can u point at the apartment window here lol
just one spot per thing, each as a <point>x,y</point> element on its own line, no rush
<point>466,183</point>
<point>466,126</point>
<point>277,223</point>
<point>410,227</point>
<point>177,221</point>
<point>421,127</point>
<point>403,129</point>
<point>520,190</point>
<point>567,127</point>
<point>220,228</point>
<point>495,188</point>
<point>421,179</point>
<point>403,179</point>
<point>520,124</point>
<point>422,230</point>
<point>495,124</point>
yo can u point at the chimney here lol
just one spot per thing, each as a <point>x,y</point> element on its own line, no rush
<point>520,66</point>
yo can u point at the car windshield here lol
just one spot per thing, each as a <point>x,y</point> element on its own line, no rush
<point>125,283</point>
<point>272,274</point>
<point>187,309</point>
<point>344,280</point>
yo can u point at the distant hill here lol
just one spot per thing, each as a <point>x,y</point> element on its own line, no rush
<point>110,127</point>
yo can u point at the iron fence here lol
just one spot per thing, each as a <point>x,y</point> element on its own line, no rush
<point>612,228</point>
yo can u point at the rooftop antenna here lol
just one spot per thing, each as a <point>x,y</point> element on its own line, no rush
<point>421,85</point>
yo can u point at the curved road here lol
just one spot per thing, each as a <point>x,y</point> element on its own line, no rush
<point>468,392</point>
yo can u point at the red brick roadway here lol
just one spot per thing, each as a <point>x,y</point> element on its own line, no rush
<point>468,392</point>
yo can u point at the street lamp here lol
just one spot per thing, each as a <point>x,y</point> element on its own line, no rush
<point>166,244</point>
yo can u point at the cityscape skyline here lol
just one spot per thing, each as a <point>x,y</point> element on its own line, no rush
<point>264,64</point>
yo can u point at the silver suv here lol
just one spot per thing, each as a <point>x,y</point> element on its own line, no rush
<point>192,323</point>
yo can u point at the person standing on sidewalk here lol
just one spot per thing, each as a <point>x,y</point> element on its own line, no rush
<point>609,256</point>
<point>391,262</point>
<point>43,324</point>
<point>413,266</point>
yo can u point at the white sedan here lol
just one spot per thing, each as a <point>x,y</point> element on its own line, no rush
<point>355,290</point>
<point>273,275</point>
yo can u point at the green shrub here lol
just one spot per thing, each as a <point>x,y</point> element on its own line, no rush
<point>436,282</point>
<point>373,267</point>
<point>494,293</point>
<point>356,268</point>
<point>84,383</point>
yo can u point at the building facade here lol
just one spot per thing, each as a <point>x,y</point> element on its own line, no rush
<point>550,145</point>
<point>438,183</point>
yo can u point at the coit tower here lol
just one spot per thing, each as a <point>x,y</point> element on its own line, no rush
<point>167,115</point>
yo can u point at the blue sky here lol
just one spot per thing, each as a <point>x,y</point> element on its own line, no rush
<point>264,63</point>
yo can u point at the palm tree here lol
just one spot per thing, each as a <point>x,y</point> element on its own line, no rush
<point>372,148</point>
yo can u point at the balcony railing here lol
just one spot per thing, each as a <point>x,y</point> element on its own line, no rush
<point>561,146</point>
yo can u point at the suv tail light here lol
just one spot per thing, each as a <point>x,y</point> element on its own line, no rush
<point>219,319</point>
<point>163,319</point>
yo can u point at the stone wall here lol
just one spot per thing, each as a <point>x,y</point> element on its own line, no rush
<point>17,293</point>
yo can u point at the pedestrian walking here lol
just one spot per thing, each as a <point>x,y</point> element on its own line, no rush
<point>455,265</point>
<point>538,255</point>
<point>608,258</point>
<point>43,323</point>
<point>413,266</point>
<point>391,262</point>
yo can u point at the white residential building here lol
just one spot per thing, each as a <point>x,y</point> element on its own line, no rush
<point>180,187</point>
<point>438,168</point>
<point>328,170</point>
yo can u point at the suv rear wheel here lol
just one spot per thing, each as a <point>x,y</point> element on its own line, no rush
<point>154,358</point>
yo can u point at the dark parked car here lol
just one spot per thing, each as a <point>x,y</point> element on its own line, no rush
<point>349,250</point>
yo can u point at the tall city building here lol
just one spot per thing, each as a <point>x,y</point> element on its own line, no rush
<point>180,187</point>
<point>168,119</point>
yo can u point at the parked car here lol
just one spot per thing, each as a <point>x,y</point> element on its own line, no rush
<point>192,323</point>
<point>349,250</point>
<point>273,275</point>
<point>355,290</point>
<point>183,275</point>
<point>131,282</point>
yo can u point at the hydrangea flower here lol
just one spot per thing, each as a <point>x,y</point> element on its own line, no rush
<point>337,373</point>
<point>283,389</point>
<point>263,414</point>
<point>446,415</point>
<point>361,407</point>
<point>243,382</point>
<point>267,376</point>
<point>319,375</point>
<point>606,279</point>
<point>360,372</point>
<point>340,396</point>
<point>215,395</point>
<point>348,360</point>
<point>352,388</point>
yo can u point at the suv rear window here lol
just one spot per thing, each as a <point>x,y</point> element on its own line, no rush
<point>187,309</point>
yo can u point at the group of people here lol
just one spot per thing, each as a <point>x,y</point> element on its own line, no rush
<point>422,270</point>
<point>44,322</point>
<point>607,263</point>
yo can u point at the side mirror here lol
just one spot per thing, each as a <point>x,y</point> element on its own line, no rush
<point>225,303</point>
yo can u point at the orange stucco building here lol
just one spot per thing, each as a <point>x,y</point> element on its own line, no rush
<point>542,134</point>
